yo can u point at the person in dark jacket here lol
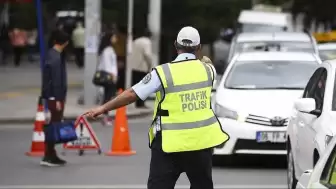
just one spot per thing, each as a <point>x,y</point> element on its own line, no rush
<point>59,28</point>
<point>54,89</point>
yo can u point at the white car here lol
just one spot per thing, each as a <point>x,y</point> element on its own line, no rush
<point>261,21</point>
<point>327,51</point>
<point>312,123</point>
<point>254,99</point>
<point>283,41</point>
<point>323,176</point>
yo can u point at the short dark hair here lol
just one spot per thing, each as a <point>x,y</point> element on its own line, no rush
<point>187,49</point>
<point>61,37</point>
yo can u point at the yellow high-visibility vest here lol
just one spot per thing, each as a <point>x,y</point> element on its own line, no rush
<point>186,119</point>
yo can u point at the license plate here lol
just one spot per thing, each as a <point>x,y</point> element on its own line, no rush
<point>271,136</point>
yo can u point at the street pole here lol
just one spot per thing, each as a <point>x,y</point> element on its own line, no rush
<point>38,6</point>
<point>92,31</point>
<point>154,24</point>
<point>129,42</point>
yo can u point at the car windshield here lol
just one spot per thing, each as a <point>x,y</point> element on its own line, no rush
<point>261,28</point>
<point>285,46</point>
<point>327,54</point>
<point>269,75</point>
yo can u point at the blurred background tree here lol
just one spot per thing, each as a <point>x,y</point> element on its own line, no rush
<point>209,16</point>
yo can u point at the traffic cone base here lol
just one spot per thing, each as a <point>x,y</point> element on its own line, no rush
<point>35,154</point>
<point>121,153</point>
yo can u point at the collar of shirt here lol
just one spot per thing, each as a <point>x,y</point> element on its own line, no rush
<point>184,56</point>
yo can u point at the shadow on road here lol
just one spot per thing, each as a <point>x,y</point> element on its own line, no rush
<point>252,162</point>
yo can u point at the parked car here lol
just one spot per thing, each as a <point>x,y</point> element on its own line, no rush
<point>312,123</point>
<point>254,99</point>
<point>327,51</point>
<point>323,176</point>
<point>277,41</point>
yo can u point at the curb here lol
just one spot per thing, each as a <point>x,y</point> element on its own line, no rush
<point>25,120</point>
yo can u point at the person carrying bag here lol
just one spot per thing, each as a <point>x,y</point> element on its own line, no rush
<point>106,75</point>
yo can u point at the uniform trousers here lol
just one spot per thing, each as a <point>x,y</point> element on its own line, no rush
<point>165,168</point>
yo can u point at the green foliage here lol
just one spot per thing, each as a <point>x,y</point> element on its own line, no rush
<point>23,15</point>
<point>273,2</point>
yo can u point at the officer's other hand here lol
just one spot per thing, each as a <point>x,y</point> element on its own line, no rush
<point>95,112</point>
<point>206,60</point>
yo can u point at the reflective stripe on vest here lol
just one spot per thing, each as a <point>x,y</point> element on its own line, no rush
<point>181,126</point>
<point>172,89</point>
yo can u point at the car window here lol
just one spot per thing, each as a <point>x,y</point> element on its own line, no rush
<point>285,46</point>
<point>327,54</point>
<point>261,28</point>
<point>318,89</point>
<point>309,89</point>
<point>269,75</point>
<point>328,176</point>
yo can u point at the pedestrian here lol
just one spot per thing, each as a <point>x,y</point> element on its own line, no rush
<point>184,128</point>
<point>78,40</point>
<point>18,39</point>
<point>31,42</point>
<point>221,48</point>
<point>51,40</point>
<point>141,60</point>
<point>54,90</point>
<point>108,63</point>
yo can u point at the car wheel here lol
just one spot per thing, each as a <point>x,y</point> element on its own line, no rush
<point>291,179</point>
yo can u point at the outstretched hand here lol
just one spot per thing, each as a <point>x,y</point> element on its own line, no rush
<point>94,112</point>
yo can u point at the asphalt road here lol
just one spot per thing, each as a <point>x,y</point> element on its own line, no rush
<point>99,171</point>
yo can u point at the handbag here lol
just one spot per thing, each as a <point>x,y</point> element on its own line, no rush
<point>102,78</point>
<point>61,132</point>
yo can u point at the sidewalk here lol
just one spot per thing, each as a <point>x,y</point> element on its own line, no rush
<point>27,77</point>
<point>22,109</point>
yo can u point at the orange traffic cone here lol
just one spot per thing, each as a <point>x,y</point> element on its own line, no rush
<point>120,142</point>
<point>37,147</point>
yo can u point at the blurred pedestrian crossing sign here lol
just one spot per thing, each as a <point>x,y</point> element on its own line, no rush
<point>87,138</point>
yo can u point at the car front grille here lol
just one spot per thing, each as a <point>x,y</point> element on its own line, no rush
<point>243,144</point>
<point>260,120</point>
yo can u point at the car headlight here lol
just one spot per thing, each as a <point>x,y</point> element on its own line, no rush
<point>225,112</point>
<point>328,139</point>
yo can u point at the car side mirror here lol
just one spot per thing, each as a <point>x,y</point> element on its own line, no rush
<point>304,178</point>
<point>305,105</point>
<point>316,112</point>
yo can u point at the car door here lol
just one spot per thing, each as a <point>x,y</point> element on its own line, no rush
<point>304,121</point>
<point>309,131</point>
<point>327,178</point>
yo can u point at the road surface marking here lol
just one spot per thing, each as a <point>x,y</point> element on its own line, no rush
<point>136,186</point>
<point>18,93</point>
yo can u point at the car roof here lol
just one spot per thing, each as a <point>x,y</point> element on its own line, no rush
<point>268,18</point>
<point>273,36</point>
<point>327,46</point>
<point>276,56</point>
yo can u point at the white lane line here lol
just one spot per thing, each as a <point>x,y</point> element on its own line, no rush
<point>136,186</point>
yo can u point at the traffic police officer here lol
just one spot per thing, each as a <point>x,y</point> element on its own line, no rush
<point>184,129</point>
